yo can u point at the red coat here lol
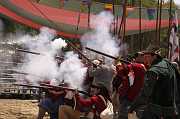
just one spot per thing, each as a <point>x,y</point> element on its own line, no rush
<point>130,92</point>
<point>94,100</point>
<point>139,73</point>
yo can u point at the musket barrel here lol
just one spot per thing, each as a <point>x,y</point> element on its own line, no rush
<point>33,86</point>
<point>74,47</point>
<point>51,87</point>
<point>45,84</point>
<point>107,55</point>
<point>36,53</point>
<point>72,89</point>
<point>101,53</point>
<point>31,52</point>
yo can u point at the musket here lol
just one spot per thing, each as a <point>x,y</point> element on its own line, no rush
<point>58,57</point>
<point>27,51</point>
<point>80,53</point>
<point>48,85</point>
<point>72,89</point>
<point>107,55</point>
<point>33,86</point>
<point>51,87</point>
<point>35,53</point>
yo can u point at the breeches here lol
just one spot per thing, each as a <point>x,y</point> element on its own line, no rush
<point>123,109</point>
<point>51,105</point>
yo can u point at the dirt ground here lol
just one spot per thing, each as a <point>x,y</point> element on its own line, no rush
<point>18,109</point>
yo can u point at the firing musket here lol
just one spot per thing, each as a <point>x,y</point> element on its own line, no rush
<point>36,53</point>
<point>72,89</point>
<point>27,51</point>
<point>107,55</point>
<point>33,86</point>
<point>48,85</point>
<point>58,57</point>
<point>51,87</point>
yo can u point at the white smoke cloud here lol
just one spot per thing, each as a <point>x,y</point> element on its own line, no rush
<point>59,43</point>
<point>123,49</point>
<point>40,42</point>
<point>101,39</point>
<point>44,65</point>
<point>72,70</point>
<point>40,68</point>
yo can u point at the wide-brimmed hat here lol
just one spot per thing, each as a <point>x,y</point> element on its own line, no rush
<point>152,49</point>
<point>131,57</point>
<point>138,54</point>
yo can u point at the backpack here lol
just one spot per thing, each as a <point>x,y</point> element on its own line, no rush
<point>108,112</point>
<point>136,82</point>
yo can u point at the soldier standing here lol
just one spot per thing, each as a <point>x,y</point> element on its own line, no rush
<point>159,93</point>
<point>102,74</point>
<point>127,83</point>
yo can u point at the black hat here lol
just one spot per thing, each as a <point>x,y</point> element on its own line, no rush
<point>138,54</point>
<point>131,57</point>
<point>152,49</point>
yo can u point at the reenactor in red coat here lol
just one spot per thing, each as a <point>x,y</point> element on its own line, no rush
<point>128,82</point>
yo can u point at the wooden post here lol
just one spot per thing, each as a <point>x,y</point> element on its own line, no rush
<point>157,20</point>
<point>124,20</point>
<point>140,39</point>
<point>160,12</point>
<point>89,13</point>
<point>169,29</point>
<point>114,20</point>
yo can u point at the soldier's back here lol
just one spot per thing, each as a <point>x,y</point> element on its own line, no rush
<point>104,75</point>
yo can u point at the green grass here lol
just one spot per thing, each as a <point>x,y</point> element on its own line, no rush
<point>53,3</point>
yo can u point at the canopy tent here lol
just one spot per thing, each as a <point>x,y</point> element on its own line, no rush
<point>65,20</point>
